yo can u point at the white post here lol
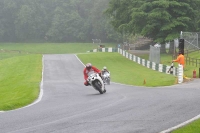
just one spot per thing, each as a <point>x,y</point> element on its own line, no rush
<point>197,40</point>
<point>138,61</point>
<point>181,36</point>
<point>148,64</point>
<point>160,68</point>
<point>143,62</point>
<point>130,56</point>
<point>180,74</point>
<point>153,65</point>
<point>134,58</point>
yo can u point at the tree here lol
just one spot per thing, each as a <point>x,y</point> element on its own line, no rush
<point>160,20</point>
<point>57,20</point>
<point>8,11</point>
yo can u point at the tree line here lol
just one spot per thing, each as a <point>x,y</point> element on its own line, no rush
<point>160,20</point>
<point>55,21</point>
<point>107,20</point>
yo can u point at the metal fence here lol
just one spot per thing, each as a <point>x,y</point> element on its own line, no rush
<point>191,43</point>
<point>154,55</point>
<point>192,40</point>
<point>96,41</point>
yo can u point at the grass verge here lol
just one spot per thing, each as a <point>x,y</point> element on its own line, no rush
<point>51,48</point>
<point>193,127</point>
<point>126,71</point>
<point>19,81</point>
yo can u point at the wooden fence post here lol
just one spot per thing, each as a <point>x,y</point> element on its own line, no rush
<point>199,72</point>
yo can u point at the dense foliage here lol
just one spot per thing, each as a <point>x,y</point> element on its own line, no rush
<point>160,20</point>
<point>84,20</point>
<point>55,21</point>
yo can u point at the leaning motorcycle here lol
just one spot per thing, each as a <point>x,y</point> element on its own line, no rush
<point>96,82</point>
<point>106,77</point>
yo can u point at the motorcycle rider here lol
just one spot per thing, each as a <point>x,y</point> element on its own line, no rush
<point>89,68</point>
<point>104,70</point>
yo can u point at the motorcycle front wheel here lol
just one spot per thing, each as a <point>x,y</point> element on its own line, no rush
<point>108,81</point>
<point>97,85</point>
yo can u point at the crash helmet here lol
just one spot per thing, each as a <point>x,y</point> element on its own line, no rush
<point>88,66</point>
<point>104,67</point>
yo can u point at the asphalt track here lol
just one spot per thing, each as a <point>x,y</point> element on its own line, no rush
<point>67,106</point>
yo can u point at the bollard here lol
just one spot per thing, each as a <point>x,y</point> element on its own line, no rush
<point>144,82</point>
<point>180,74</point>
<point>194,73</point>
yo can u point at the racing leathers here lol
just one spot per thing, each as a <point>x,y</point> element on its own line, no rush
<point>86,72</point>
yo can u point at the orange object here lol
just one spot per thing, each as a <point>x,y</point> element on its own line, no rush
<point>194,74</point>
<point>144,81</point>
<point>180,59</point>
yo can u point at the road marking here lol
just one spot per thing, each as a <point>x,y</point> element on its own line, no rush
<point>170,129</point>
<point>181,125</point>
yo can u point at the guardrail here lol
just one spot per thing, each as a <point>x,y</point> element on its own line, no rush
<point>152,65</point>
<point>104,50</point>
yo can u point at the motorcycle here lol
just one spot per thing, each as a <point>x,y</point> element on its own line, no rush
<point>106,77</point>
<point>96,82</point>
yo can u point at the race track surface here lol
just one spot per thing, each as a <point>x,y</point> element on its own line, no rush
<point>67,106</point>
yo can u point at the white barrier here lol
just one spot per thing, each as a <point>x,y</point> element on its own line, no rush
<point>180,74</point>
<point>151,65</point>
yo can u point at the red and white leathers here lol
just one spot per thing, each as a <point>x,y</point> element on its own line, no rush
<point>86,72</point>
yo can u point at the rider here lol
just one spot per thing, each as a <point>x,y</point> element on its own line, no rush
<point>89,68</point>
<point>104,70</point>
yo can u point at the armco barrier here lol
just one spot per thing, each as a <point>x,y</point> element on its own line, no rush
<point>148,64</point>
<point>104,50</point>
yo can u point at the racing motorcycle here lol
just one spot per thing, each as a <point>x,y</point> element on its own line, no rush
<point>96,82</point>
<point>106,77</point>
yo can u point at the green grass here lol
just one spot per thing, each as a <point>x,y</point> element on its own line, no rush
<point>126,71</point>
<point>51,48</point>
<point>19,81</point>
<point>193,127</point>
<point>21,66</point>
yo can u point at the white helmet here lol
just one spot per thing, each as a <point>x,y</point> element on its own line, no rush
<point>88,66</point>
<point>104,67</point>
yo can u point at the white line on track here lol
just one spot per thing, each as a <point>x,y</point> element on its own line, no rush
<point>172,128</point>
<point>79,59</point>
<point>181,125</point>
<point>41,94</point>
